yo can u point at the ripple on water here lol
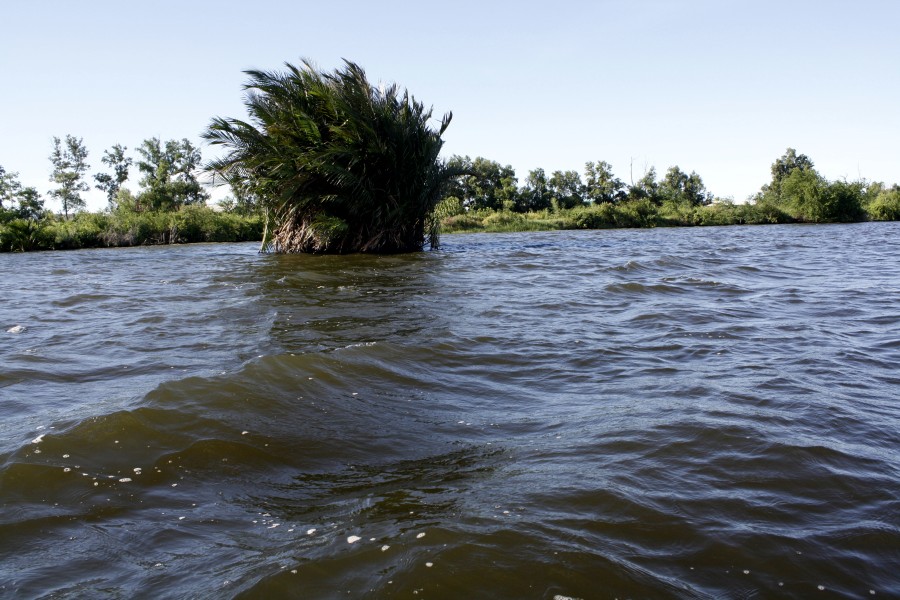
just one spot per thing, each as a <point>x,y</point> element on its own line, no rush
<point>652,413</point>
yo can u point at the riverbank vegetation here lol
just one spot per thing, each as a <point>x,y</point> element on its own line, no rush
<point>24,232</point>
<point>329,163</point>
<point>169,208</point>
<point>490,199</point>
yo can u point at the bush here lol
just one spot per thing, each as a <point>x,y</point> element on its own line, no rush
<point>764,212</point>
<point>885,206</point>
<point>192,224</point>
<point>595,216</point>
<point>83,230</point>
<point>22,235</point>
<point>678,213</point>
<point>843,202</point>
<point>503,220</point>
<point>449,207</point>
<point>461,223</point>
<point>719,213</point>
<point>636,213</point>
<point>341,165</point>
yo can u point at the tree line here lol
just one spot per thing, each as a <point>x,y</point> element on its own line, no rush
<point>168,187</point>
<point>168,179</point>
<point>490,186</point>
<point>328,162</point>
<point>795,193</point>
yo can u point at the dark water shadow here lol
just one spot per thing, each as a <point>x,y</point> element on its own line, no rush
<point>326,302</point>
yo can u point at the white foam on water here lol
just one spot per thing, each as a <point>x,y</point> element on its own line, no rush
<point>125,480</point>
<point>385,548</point>
<point>38,439</point>
<point>16,329</point>
<point>429,564</point>
<point>421,535</point>
<point>310,531</point>
<point>353,539</point>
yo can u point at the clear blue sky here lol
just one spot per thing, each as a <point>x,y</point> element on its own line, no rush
<point>714,86</point>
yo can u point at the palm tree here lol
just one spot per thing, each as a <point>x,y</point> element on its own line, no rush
<point>340,165</point>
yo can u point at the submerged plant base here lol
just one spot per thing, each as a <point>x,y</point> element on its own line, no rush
<point>325,234</point>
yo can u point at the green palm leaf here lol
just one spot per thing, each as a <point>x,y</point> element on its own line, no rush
<point>341,166</point>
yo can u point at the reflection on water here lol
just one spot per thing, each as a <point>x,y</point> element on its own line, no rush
<point>653,413</point>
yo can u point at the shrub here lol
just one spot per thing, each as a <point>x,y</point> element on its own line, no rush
<point>636,213</point>
<point>461,223</point>
<point>885,206</point>
<point>595,216</point>
<point>342,165</point>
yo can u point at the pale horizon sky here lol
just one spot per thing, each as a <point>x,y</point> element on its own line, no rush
<point>714,86</point>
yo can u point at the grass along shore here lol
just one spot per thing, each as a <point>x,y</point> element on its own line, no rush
<point>124,227</point>
<point>640,213</point>
<point>199,223</point>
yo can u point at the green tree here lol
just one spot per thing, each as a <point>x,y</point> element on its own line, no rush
<point>341,165</point>
<point>886,205</point>
<point>508,194</point>
<point>169,169</point>
<point>462,186</point>
<point>679,187</point>
<point>31,205</point>
<point>802,194</point>
<point>22,226</point>
<point>566,187</point>
<point>127,201</point>
<point>483,187</point>
<point>809,197</point>
<point>535,194</point>
<point>646,188</point>
<point>115,159</point>
<point>844,201</point>
<point>242,200</point>
<point>69,166</point>
<point>21,203</point>
<point>9,186</point>
<point>600,184</point>
<point>782,169</point>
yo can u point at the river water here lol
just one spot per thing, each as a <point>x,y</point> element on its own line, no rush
<point>684,413</point>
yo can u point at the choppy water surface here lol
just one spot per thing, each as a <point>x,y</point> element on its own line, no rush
<point>696,413</point>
